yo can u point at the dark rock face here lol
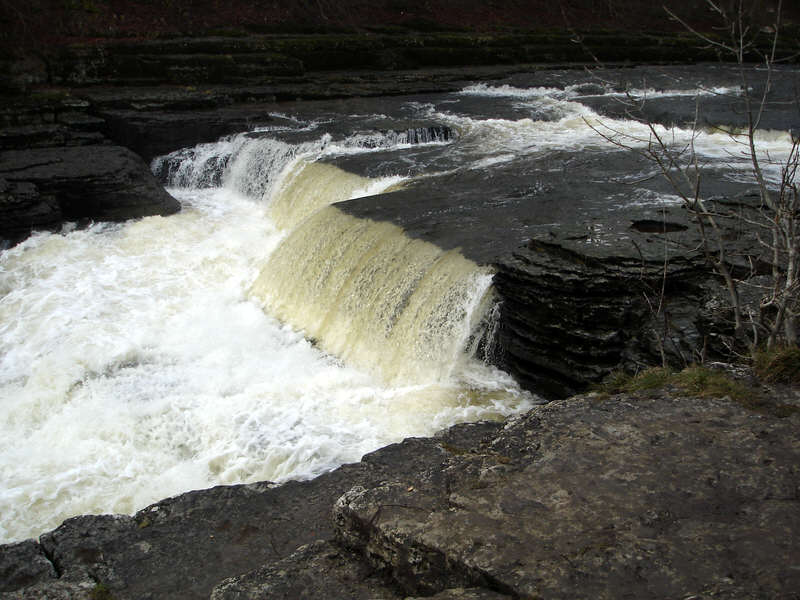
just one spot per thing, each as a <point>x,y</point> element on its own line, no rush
<point>24,210</point>
<point>23,564</point>
<point>629,496</point>
<point>258,59</point>
<point>318,570</point>
<point>99,182</point>
<point>56,165</point>
<point>596,309</point>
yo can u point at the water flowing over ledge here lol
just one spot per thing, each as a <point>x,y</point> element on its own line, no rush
<point>402,308</point>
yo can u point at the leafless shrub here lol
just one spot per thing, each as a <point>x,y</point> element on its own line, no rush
<point>776,222</point>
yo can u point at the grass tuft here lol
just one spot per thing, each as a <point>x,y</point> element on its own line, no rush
<point>618,381</point>
<point>707,383</point>
<point>100,592</point>
<point>779,365</point>
<point>702,382</point>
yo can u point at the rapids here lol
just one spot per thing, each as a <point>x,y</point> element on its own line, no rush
<point>262,334</point>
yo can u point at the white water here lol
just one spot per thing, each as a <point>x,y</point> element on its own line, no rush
<point>572,125</point>
<point>134,365</point>
<point>572,92</point>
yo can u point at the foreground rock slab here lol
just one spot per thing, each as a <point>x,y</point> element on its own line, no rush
<point>643,496</point>
<point>318,570</point>
<point>182,547</point>
<point>620,498</point>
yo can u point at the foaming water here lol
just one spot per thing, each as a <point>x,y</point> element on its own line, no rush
<point>596,88</point>
<point>570,125</point>
<point>134,366</point>
<point>306,186</point>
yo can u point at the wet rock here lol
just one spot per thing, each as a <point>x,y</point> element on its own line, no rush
<point>58,590</point>
<point>23,209</point>
<point>98,182</point>
<point>56,165</point>
<point>602,311</point>
<point>640,497</point>
<point>24,564</point>
<point>466,594</point>
<point>152,133</point>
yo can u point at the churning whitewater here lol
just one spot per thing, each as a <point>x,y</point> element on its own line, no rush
<point>138,363</point>
<point>263,334</point>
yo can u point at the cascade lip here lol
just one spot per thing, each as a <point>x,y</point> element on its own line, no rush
<point>402,309</point>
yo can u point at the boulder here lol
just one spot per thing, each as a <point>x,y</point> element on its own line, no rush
<point>95,182</point>
<point>24,209</point>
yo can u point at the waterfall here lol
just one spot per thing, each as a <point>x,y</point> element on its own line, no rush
<point>401,308</point>
<point>138,363</point>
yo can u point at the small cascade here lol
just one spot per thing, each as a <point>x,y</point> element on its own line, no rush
<point>245,163</point>
<point>257,166</point>
<point>200,167</point>
<point>401,308</point>
<point>251,163</point>
<point>434,134</point>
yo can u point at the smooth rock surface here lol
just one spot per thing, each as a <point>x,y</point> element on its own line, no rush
<point>318,570</point>
<point>95,182</point>
<point>23,564</point>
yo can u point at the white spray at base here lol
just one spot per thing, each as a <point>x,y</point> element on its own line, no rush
<point>134,366</point>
